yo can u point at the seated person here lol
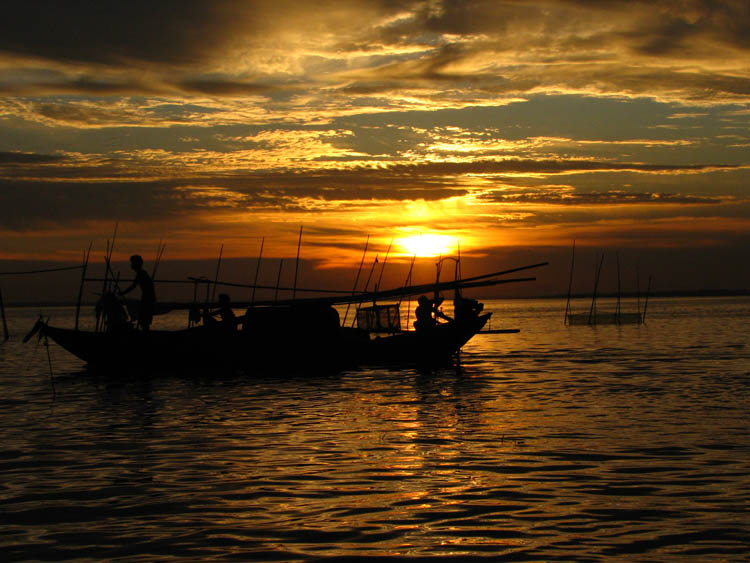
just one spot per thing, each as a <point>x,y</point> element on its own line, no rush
<point>465,308</point>
<point>224,312</point>
<point>427,313</point>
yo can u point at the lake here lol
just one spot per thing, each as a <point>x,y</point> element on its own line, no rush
<point>553,444</point>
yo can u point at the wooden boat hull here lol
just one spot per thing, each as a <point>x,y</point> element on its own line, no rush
<point>268,350</point>
<point>434,346</point>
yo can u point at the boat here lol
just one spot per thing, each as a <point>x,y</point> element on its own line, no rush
<point>297,335</point>
<point>286,339</point>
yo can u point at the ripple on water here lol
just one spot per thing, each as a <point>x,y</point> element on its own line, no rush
<point>552,444</point>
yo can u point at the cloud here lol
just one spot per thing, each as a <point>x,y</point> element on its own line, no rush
<point>403,53</point>
<point>119,34</point>
<point>10,158</point>
<point>620,197</point>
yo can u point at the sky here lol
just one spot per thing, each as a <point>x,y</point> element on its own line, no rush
<point>505,129</point>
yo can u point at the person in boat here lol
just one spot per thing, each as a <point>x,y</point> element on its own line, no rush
<point>464,308</point>
<point>224,312</point>
<point>427,312</point>
<point>148,295</point>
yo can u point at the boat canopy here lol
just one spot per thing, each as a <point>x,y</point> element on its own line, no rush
<point>379,318</point>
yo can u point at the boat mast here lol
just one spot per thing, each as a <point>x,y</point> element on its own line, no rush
<point>257,269</point>
<point>278,280</point>
<point>159,252</point>
<point>216,277</point>
<point>382,267</point>
<point>83,279</point>
<point>356,280</point>
<point>367,283</point>
<point>296,263</point>
<point>107,261</point>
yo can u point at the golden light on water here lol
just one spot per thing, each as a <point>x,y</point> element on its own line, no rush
<point>428,245</point>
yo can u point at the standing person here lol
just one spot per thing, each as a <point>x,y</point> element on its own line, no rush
<point>148,295</point>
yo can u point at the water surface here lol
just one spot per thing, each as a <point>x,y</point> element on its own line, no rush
<point>554,444</point>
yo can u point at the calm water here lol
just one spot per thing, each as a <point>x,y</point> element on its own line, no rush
<point>554,444</point>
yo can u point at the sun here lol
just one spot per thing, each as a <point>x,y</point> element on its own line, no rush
<point>427,245</point>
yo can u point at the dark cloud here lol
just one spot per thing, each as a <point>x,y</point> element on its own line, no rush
<point>596,198</point>
<point>59,196</point>
<point>224,87</point>
<point>516,166</point>
<point>176,32</point>
<point>26,205</point>
<point>8,158</point>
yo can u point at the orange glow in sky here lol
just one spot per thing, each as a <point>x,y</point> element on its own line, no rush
<point>484,124</point>
<point>427,245</point>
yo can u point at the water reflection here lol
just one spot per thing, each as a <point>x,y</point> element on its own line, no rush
<point>551,444</point>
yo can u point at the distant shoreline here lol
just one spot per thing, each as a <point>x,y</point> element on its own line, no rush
<point>675,293</point>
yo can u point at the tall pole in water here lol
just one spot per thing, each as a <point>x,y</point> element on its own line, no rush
<point>592,311</point>
<point>6,336</point>
<point>638,290</point>
<point>617,312</point>
<point>296,263</point>
<point>570,282</point>
<point>645,306</point>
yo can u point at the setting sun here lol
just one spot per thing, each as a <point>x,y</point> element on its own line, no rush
<point>428,245</point>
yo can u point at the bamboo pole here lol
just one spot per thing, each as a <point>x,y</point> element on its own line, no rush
<point>503,272</point>
<point>367,284</point>
<point>157,261</point>
<point>408,283</point>
<point>278,281</point>
<point>257,268</point>
<point>597,273</point>
<point>6,335</point>
<point>296,263</point>
<point>43,271</point>
<point>108,269</point>
<point>362,296</point>
<point>216,277</point>
<point>105,281</point>
<point>645,305</point>
<point>617,311</point>
<point>83,279</point>
<point>458,263</point>
<point>356,279</point>
<point>570,282</point>
<point>638,289</point>
<point>382,267</point>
